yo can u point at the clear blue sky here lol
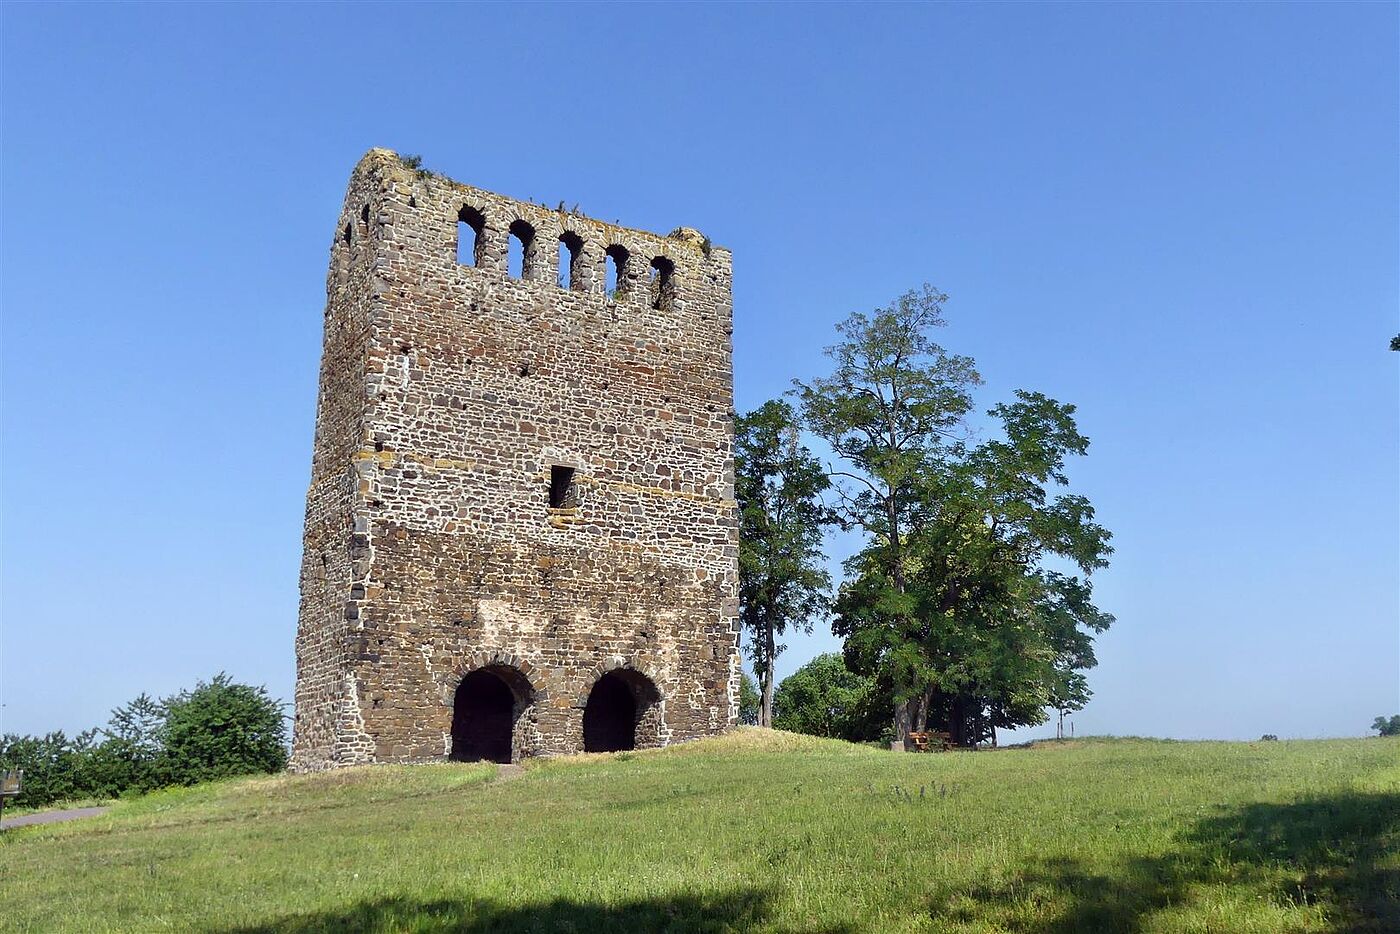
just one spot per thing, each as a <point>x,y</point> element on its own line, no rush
<point>1182,218</point>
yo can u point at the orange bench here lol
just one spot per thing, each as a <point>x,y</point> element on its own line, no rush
<point>938,742</point>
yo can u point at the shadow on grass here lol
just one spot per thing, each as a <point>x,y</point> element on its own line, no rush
<point>1321,851</point>
<point>741,910</point>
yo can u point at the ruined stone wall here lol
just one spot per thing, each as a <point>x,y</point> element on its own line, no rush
<point>333,555</point>
<point>449,392</point>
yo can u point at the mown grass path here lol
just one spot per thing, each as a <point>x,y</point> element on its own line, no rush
<point>754,831</point>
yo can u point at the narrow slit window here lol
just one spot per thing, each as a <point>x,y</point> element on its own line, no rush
<point>570,247</point>
<point>613,282</point>
<point>522,235</point>
<point>659,281</point>
<point>470,224</point>
<point>563,494</point>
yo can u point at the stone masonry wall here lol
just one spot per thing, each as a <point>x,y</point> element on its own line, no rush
<point>449,391</point>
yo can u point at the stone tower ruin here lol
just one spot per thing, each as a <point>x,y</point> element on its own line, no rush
<point>521,536</point>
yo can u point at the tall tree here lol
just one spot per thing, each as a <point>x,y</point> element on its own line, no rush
<point>988,634</point>
<point>782,580</point>
<point>893,404</point>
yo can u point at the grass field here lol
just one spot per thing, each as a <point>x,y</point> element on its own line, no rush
<point>753,831</point>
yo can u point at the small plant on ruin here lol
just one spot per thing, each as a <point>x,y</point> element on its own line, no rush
<point>415,162</point>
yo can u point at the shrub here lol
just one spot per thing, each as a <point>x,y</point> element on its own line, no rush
<point>825,698</point>
<point>221,729</point>
<point>749,700</point>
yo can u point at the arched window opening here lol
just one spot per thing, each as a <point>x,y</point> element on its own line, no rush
<point>522,237</point>
<point>660,281</point>
<point>485,709</point>
<point>470,224</point>
<point>348,234</point>
<point>570,248</point>
<point>614,281</point>
<point>622,712</point>
<point>364,217</point>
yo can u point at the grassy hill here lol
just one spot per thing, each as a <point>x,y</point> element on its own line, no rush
<point>754,831</point>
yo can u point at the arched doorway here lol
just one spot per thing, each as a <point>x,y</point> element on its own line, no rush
<point>619,703</point>
<point>485,709</point>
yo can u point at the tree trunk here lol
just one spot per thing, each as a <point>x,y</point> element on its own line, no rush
<point>903,720</point>
<point>921,718</point>
<point>765,711</point>
<point>903,711</point>
<point>957,721</point>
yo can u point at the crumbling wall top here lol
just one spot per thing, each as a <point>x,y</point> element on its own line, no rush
<point>391,167</point>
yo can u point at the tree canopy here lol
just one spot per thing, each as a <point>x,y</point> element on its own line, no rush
<point>894,402</point>
<point>971,599</point>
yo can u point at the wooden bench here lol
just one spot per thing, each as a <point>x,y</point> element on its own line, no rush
<point>924,742</point>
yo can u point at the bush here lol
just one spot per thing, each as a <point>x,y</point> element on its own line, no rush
<point>219,729</point>
<point>749,701</point>
<point>1268,738</point>
<point>825,698</point>
<point>54,765</point>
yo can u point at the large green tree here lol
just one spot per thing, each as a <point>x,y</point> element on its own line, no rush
<point>960,602</point>
<point>894,403</point>
<point>783,582</point>
<point>989,629</point>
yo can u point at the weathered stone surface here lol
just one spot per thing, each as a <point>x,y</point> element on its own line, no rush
<point>448,395</point>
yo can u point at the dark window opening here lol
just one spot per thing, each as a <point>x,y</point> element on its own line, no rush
<point>570,248</point>
<point>614,283</point>
<point>470,224</point>
<point>563,494</point>
<point>483,715</point>
<point>522,238</point>
<point>364,215</point>
<point>349,231</point>
<point>659,281</point>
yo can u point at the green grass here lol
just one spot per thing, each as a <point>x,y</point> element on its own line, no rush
<point>753,831</point>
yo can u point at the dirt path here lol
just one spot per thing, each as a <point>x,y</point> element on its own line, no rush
<point>49,817</point>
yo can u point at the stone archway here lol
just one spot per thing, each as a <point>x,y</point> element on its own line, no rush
<point>486,712</point>
<point>622,712</point>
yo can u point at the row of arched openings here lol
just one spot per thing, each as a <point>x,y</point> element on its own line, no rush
<point>522,259</point>
<point>490,701</point>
